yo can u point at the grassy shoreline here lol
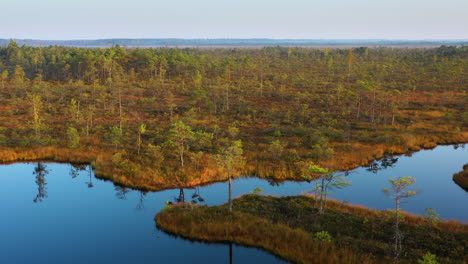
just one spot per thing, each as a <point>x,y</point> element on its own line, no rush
<point>461,178</point>
<point>160,177</point>
<point>276,224</point>
<point>251,231</point>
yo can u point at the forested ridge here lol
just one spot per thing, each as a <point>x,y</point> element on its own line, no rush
<point>152,118</point>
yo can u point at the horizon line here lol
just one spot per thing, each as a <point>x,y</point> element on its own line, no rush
<point>247,38</point>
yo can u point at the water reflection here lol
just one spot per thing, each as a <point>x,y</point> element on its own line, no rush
<point>230,253</point>
<point>382,164</point>
<point>121,192</point>
<point>90,182</point>
<point>40,171</point>
<point>457,146</point>
<point>141,200</point>
<point>196,197</point>
<point>181,198</point>
<point>75,169</point>
<point>123,218</point>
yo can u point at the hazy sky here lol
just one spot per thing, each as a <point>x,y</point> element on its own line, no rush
<point>356,19</point>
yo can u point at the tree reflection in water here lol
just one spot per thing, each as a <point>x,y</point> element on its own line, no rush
<point>90,182</point>
<point>75,169</point>
<point>40,171</point>
<point>181,198</point>
<point>122,192</point>
<point>385,163</point>
<point>230,253</point>
<point>141,201</point>
<point>196,197</point>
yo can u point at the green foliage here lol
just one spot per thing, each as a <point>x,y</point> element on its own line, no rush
<point>73,137</point>
<point>180,137</point>
<point>123,164</point>
<point>202,140</point>
<point>196,158</point>
<point>231,158</point>
<point>428,258</point>
<point>323,236</point>
<point>36,111</point>
<point>256,191</point>
<point>115,135</point>
<point>276,149</point>
<point>142,129</point>
<point>325,180</point>
<point>399,187</point>
<point>117,159</point>
<point>399,192</point>
<point>153,155</point>
<point>311,171</point>
<point>233,131</point>
<point>431,216</point>
<point>74,111</point>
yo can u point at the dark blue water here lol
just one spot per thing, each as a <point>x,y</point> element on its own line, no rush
<point>56,213</point>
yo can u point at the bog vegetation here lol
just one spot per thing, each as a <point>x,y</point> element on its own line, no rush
<point>294,229</point>
<point>157,118</point>
<point>461,178</point>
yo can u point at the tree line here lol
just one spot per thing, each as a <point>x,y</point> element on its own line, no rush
<point>285,104</point>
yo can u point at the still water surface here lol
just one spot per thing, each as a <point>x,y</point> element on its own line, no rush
<point>57,213</point>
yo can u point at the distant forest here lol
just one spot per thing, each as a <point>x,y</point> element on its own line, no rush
<point>174,42</point>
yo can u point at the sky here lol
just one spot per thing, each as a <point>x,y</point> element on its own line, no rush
<point>278,19</point>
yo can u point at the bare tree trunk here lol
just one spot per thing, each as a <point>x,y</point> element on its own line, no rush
<point>397,246</point>
<point>139,143</point>
<point>230,193</point>
<point>181,154</point>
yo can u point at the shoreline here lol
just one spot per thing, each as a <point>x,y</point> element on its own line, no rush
<point>103,169</point>
<point>215,224</point>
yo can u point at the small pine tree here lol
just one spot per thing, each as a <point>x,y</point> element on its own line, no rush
<point>428,259</point>
<point>73,137</point>
<point>323,236</point>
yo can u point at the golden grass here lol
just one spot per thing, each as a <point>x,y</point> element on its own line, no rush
<point>218,225</point>
<point>286,227</point>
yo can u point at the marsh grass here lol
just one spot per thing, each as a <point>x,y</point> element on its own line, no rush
<point>286,227</point>
<point>217,225</point>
